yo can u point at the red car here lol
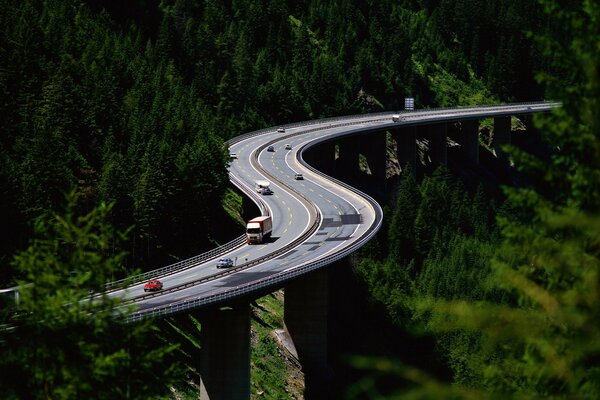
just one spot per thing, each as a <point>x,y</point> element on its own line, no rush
<point>153,285</point>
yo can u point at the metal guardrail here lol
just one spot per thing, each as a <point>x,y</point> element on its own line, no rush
<point>178,266</point>
<point>193,261</point>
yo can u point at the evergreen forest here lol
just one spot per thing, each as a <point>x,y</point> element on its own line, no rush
<point>114,118</point>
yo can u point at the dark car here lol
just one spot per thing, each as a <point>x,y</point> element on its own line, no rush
<point>153,285</point>
<point>225,263</point>
<point>298,177</point>
<point>270,148</point>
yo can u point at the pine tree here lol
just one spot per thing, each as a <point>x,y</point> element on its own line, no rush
<point>66,340</point>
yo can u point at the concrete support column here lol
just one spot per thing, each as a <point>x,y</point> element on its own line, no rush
<point>348,165</point>
<point>501,137</point>
<point>310,157</point>
<point>469,140</point>
<point>324,158</point>
<point>225,355</point>
<point>406,146</point>
<point>306,308</point>
<point>436,136</point>
<point>374,148</point>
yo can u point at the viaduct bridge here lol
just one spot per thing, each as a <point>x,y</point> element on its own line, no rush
<point>316,222</point>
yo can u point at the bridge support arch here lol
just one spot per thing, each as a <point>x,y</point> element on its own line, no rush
<point>436,136</point>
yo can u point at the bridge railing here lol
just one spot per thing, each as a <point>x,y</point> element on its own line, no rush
<point>382,115</point>
<point>193,261</point>
<point>178,266</point>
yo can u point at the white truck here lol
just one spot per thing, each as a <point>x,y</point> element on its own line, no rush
<point>258,229</point>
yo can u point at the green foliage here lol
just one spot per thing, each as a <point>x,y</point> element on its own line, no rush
<point>539,336</point>
<point>132,104</point>
<point>269,372</point>
<point>439,244</point>
<point>66,340</point>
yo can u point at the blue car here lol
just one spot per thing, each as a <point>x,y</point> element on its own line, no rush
<point>225,263</point>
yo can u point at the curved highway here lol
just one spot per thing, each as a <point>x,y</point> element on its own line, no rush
<point>316,220</point>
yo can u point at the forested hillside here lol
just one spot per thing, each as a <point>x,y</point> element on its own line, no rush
<point>510,292</point>
<point>131,102</point>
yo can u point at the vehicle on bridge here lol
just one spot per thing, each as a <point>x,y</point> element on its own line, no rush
<point>298,177</point>
<point>262,187</point>
<point>153,285</point>
<point>288,146</point>
<point>397,118</point>
<point>281,129</point>
<point>258,229</point>
<point>225,263</point>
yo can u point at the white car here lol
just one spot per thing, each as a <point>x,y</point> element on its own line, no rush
<point>281,129</point>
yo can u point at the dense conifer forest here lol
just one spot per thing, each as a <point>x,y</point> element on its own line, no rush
<point>117,112</point>
<point>131,102</point>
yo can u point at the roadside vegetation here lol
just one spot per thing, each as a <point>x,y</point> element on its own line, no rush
<point>127,107</point>
<point>514,309</point>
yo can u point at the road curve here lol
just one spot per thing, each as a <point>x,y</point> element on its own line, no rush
<point>316,221</point>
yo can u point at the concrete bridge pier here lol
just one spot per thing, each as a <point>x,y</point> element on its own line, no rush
<point>224,363</point>
<point>501,137</point>
<point>436,136</point>
<point>374,148</point>
<point>406,146</point>
<point>348,161</point>
<point>322,157</point>
<point>469,140</point>
<point>306,309</point>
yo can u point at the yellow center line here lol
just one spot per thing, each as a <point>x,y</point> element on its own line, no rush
<point>289,223</point>
<point>283,201</point>
<point>285,230</point>
<point>335,206</point>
